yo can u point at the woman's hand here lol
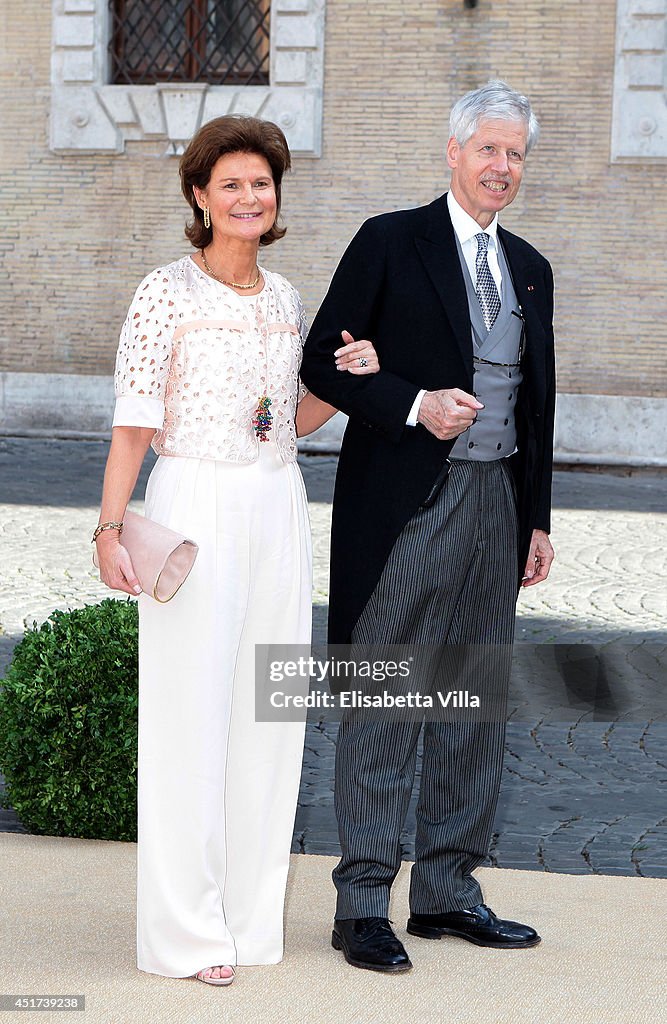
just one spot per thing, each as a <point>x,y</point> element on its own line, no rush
<point>128,447</point>
<point>357,357</point>
<point>116,569</point>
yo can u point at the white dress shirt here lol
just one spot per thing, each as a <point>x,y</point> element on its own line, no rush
<point>465,228</point>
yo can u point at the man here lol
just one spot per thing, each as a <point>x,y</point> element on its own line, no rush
<point>441,511</point>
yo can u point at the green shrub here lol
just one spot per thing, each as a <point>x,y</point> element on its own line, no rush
<point>68,724</point>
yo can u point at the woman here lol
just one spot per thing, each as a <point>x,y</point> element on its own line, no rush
<point>207,371</point>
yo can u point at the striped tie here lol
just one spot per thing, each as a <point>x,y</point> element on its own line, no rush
<point>487,293</point>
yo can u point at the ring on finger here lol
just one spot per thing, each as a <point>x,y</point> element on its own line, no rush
<point>362,361</point>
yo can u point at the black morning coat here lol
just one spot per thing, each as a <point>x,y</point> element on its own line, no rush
<point>400,284</point>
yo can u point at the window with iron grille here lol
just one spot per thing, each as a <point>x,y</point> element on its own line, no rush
<point>222,42</point>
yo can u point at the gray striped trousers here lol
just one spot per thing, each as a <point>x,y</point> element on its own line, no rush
<point>450,578</point>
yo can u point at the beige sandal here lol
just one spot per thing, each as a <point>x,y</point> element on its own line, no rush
<point>201,976</point>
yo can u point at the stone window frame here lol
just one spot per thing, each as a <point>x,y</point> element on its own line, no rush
<point>639,119</point>
<point>89,115</point>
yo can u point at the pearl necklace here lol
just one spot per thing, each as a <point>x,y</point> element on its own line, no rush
<point>232,284</point>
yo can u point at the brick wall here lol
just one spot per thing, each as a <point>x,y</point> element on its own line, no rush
<point>78,232</point>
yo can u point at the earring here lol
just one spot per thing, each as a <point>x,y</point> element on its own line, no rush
<point>207,218</point>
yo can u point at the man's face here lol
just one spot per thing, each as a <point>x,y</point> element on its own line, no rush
<point>487,171</point>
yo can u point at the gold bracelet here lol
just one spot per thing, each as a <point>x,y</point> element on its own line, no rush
<point>106,526</point>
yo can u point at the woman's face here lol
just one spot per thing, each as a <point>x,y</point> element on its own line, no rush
<point>241,198</point>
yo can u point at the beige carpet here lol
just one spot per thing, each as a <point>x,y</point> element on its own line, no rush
<point>68,927</point>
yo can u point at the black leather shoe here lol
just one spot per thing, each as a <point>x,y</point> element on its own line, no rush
<point>478,924</point>
<point>369,942</point>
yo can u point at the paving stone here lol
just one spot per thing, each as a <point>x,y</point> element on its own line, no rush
<point>583,788</point>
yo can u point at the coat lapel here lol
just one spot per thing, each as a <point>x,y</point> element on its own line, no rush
<point>526,278</point>
<point>439,255</point>
<point>523,274</point>
<point>438,252</point>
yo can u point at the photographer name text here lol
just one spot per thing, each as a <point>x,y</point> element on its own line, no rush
<point>359,699</point>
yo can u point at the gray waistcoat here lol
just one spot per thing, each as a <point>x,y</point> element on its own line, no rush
<point>493,434</point>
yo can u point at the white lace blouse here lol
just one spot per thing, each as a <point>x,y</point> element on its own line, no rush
<point>194,358</point>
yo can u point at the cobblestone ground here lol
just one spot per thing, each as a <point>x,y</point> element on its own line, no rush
<point>583,791</point>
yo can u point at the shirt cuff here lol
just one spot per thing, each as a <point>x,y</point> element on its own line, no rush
<point>137,411</point>
<point>414,411</point>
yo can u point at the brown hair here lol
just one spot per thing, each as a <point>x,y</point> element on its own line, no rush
<point>234,133</point>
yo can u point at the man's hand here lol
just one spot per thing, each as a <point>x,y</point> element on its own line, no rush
<point>540,557</point>
<point>448,413</point>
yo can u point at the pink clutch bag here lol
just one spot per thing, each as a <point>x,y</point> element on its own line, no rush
<point>162,558</point>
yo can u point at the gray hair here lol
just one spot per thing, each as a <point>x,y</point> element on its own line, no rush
<point>494,100</point>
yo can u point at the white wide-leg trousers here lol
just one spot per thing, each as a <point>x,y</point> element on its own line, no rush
<point>218,790</point>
